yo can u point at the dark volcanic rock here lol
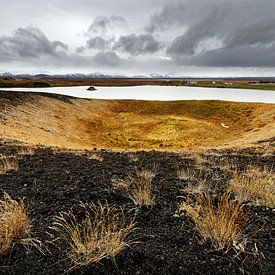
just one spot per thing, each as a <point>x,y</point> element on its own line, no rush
<point>91,88</point>
<point>53,182</point>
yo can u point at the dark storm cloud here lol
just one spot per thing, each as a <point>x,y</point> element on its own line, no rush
<point>242,29</point>
<point>28,43</point>
<point>234,57</point>
<point>138,44</point>
<point>179,13</point>
<point>102,23</point>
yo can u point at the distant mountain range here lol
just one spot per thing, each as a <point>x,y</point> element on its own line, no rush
<point>118,76</point>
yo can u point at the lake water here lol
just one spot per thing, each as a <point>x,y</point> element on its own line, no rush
<point>162,93</point>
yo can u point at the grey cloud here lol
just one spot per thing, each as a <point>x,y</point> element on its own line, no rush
<point>29,43</point>
<point>103,59</point>
<point>108,58</point>
<point>31,46</point>
<point>177,14</point>
<point>193,33</point>
<point>98,43</point>
<point>235,24</point>
<point>102,23</point>
<point>99,24</point>
<point>118,20</point>
<point>80,49</point>
<point>138,44</point>
<point>233,57</point>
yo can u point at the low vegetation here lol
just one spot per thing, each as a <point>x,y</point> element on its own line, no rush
<point>8,164</point>
<point>25,150</point>
<point>103,233</point>
<point>125,124</point>
<point>254,185</point>
<point>64,82</point>
<point>15,225</point>
<point>218,219</point>
<point>95,156</point>
<point>185,172</point>
<point>197,188</point>
<point>138,187</point>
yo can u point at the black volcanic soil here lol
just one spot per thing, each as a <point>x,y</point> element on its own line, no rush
<point>53,182</point>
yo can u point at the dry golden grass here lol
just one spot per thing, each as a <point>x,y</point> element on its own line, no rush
<point>15,225</point>
<point>82,124</point>
<point>197,156</point>
<point>185,172</point>
<point>254,185</point>
<point>139,187</point>
<point>101,234</point>
<point>8,164</point>
<point>198,188</point>
<point>220,221</point>
<point>25,150</point>
<point>196,184</point>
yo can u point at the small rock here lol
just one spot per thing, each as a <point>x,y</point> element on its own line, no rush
<point>91,88</point>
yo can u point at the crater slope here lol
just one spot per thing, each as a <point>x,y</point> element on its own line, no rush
<point>60,121</point>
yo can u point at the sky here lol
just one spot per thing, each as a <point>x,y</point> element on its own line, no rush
<point>197,38</point>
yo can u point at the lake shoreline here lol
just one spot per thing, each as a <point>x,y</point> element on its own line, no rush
<point>156,93</point>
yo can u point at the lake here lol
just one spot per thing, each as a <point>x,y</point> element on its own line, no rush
<point>162,93</point>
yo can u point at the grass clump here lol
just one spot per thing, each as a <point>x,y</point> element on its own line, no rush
<point>15,225</point>
<point>25,150</point>
<point>185,173</point>
<point>218,219</point>
<point>139,187</point>
<point>8,164</point>
<point>198,188</point>
<point>101,234</point>
<point>254,185</point>
<point>196,181</point>
<point>95,156</point>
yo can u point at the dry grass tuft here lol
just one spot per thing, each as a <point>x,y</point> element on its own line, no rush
<point>133,157</point>
<point>101,234</point>
<point>195,183</point>
<point>185,173</point>
<point>197,157</point>
<point>96,156</point>
<point>254,185</point>
<point>25,150</point>
<point>8,164</point>
<point>139,187</point>
<point>15,225</point>
<point>198,188</point>
<point>220,221</point>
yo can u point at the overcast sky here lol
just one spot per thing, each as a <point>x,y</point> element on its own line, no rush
<point>130,37</point>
